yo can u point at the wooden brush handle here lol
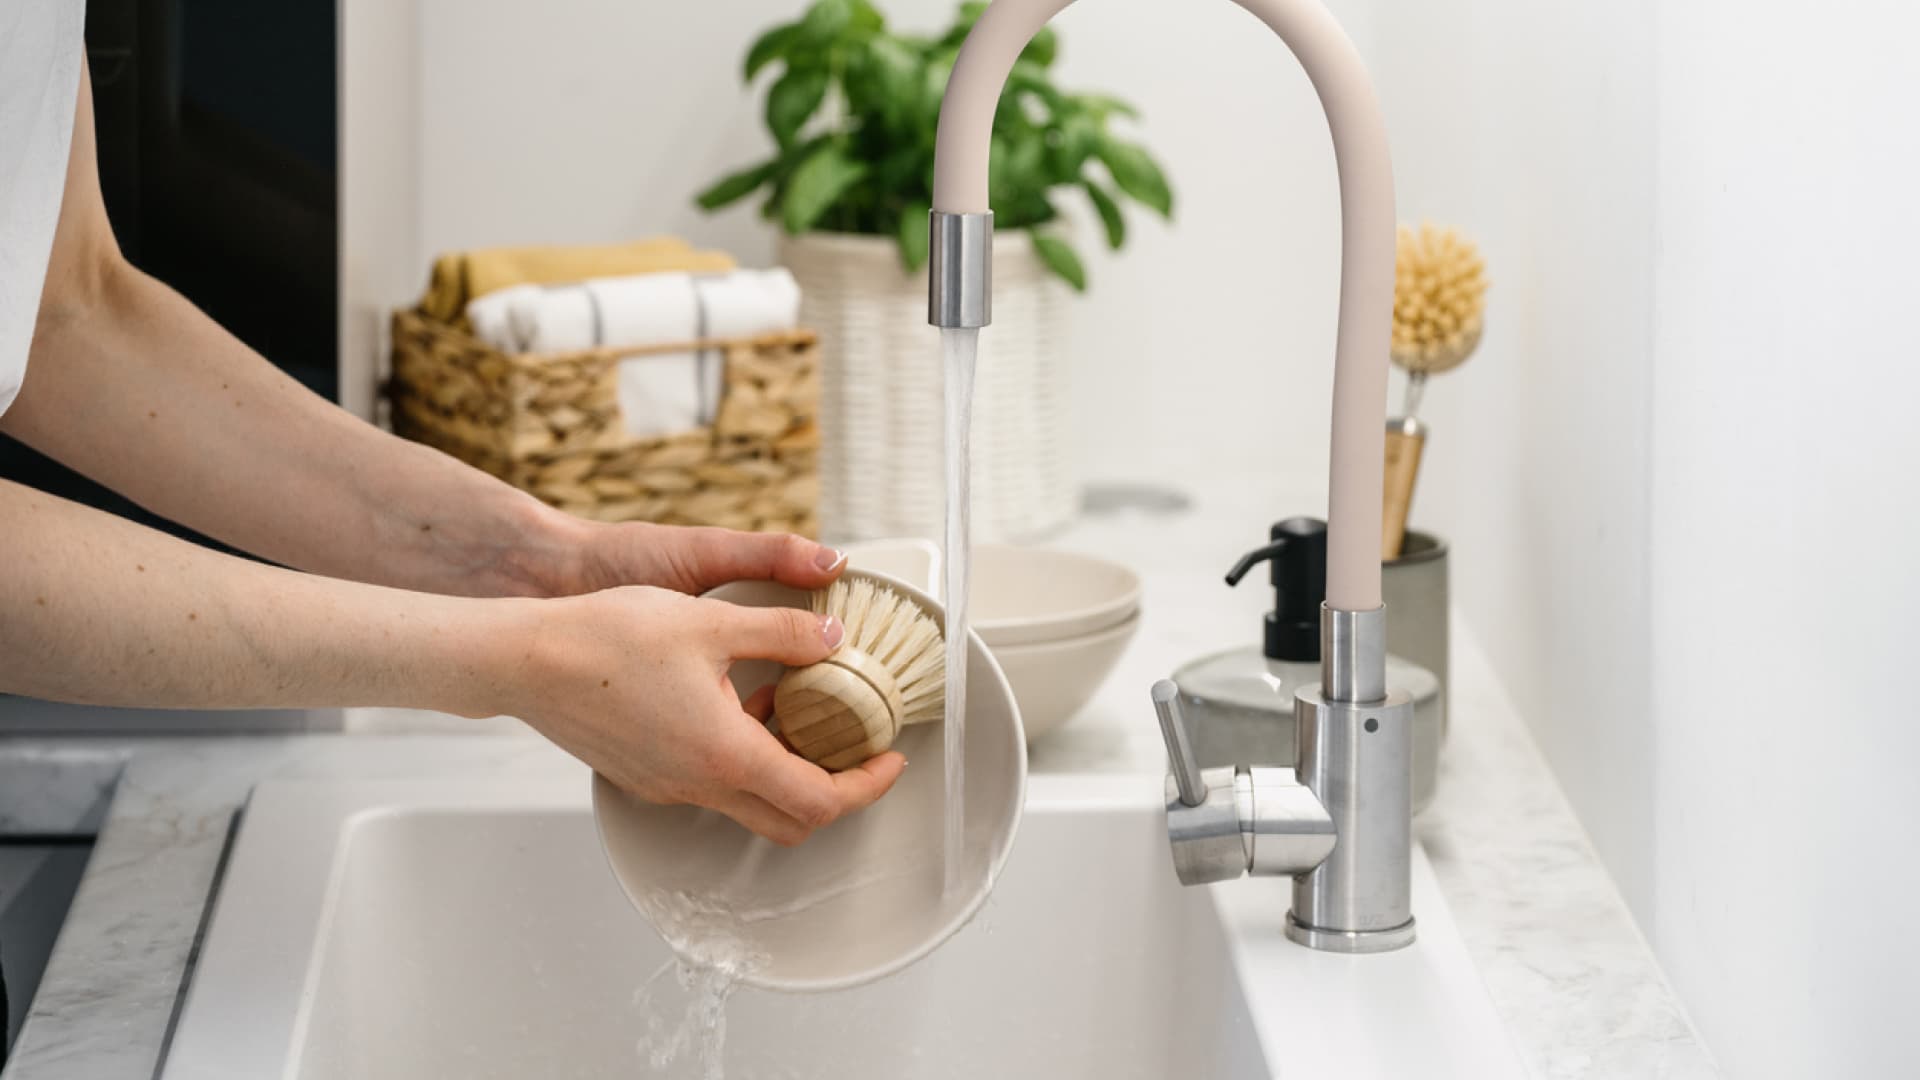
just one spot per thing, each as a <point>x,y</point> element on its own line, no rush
<point>839,712</point>
<point>1405,440</point>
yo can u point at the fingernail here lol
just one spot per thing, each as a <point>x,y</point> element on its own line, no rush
<point>833,630</point>
<point>829,559</point>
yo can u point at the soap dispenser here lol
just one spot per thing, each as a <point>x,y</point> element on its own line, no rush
<point>1239,703</point>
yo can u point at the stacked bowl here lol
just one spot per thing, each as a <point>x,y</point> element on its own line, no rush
<point>1057,621</point>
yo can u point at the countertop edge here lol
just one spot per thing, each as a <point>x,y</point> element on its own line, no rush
<point>1580,990</point>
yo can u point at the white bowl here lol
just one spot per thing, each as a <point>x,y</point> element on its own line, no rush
<point>1054,680</point>
<point>1022,596</point>
<point>863,897</point>
<point>912,560</point>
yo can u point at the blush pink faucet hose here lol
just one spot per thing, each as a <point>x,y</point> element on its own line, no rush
<point>1366,241</point>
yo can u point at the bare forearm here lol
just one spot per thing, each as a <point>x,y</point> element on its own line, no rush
<point>97,610</point>
<point>142,392</point>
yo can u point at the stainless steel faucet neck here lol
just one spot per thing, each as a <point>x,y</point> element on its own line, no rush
<point>1353,654</point>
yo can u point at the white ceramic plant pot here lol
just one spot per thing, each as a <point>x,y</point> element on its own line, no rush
<point>881,447</point>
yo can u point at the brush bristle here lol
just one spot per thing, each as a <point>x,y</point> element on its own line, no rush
<point>895,631</point>
<point>1439,299</point>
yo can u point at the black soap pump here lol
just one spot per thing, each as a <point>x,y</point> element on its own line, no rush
<point>1297,550</point>
<point>1239,703</point>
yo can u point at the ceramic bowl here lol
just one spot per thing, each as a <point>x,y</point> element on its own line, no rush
<point>1053,680</point>
<point>1022,596</point>
<point>914,561</point>
<point>863,897</point>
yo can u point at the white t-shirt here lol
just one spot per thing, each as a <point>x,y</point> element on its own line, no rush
<point>40,53</point>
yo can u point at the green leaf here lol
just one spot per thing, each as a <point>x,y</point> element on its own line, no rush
<point>1000,189</point>
<point>1110,216</point>
<point>775,44</point>
<point>1080,135</point>
<point>792,100</point>
<point>1060,258</point>
<point>1028,77</point>
<point>1024,164</point>
<point>1043,48</point>
<point>866,20</point>
<point>883,78</point>
<point>913,235</point>
<point>1136,173</point>
<point>901,170</point>
<point>733,188</point>
<point>817,184</point>
<point>824,22</point>
<point>1105,105</point>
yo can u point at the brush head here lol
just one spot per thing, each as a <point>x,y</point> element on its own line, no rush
<point>1439,299</point>
<point>889,671</point>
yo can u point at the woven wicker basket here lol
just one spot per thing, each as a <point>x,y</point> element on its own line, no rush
<point>882,385</point>
<point>550,424</point>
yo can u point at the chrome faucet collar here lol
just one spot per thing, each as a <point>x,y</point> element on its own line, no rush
<point>1353,654</point>
<point>959,270</point>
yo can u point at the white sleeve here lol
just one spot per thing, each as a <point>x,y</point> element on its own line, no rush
<point>40,53</point>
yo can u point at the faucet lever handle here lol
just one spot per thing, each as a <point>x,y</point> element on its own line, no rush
<point>1173,729</point>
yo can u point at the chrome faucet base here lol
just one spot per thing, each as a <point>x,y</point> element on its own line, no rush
<point>1357,756</point>
<point>1352,942</point>
<point>1339,822</point>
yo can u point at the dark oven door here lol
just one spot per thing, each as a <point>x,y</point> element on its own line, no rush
<point>217,132</point>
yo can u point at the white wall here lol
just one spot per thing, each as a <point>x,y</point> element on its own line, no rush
<point>380,265</point>
<point>1784,503</point>
<point>1678,474</point>
<point>1531,125</point>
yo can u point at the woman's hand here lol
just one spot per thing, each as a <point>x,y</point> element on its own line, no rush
<point>687,559</point>
<point>633,681</point>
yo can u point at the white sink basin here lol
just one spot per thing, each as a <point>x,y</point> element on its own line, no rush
<point>376,929</point>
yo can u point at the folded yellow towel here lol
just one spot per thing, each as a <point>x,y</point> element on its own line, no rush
<point>466,275</point>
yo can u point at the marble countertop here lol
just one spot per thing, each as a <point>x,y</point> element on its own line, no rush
<point>1562,961</point>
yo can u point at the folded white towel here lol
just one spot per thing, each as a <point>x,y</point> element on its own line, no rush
<point>660,393</point>
<point>741,303</point>
<point>489,316</point>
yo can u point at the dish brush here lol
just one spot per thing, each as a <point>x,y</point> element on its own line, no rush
<point>1439,306</point>
<point>889,671</point>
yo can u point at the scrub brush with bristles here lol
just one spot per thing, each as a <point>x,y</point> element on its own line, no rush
<point>889,671</point>
<point>1439,303</point>
<point>1439,306</point>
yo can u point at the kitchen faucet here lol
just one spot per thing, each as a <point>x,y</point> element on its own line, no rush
<point>1339,821</point>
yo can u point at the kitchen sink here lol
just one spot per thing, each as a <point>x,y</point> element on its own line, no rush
<point>470,928</point>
